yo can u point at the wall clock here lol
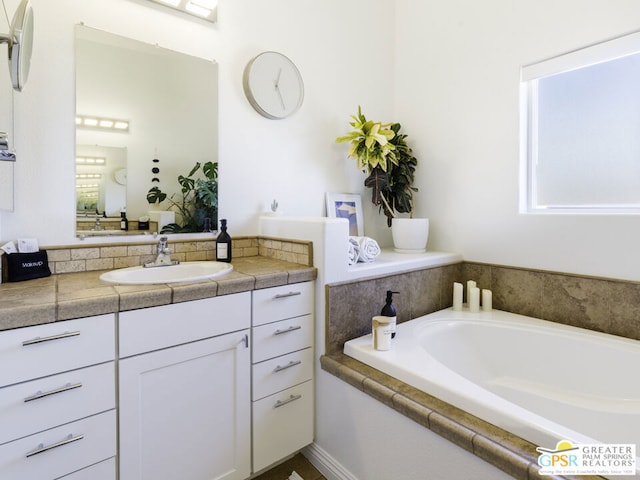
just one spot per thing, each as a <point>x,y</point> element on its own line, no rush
<point>273,85</point>
<point>120,176</point>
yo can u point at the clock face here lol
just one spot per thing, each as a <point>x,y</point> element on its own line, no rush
<point>120,176</point>
<point>273,85</point>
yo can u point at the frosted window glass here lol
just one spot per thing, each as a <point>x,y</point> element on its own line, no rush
<point>588,151</point>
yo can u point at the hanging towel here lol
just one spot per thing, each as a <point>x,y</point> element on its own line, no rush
<point>368,248</point>
<point>353,250</point>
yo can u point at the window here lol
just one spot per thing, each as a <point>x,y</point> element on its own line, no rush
<point>581,131</point>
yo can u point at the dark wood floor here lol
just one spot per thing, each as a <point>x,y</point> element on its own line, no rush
<point>301,465</point>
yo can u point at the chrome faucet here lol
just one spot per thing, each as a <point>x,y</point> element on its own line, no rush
<point>98,226</point>
<point>164,255</point>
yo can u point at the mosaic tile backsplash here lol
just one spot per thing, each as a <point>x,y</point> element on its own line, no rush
<point>605,305</point>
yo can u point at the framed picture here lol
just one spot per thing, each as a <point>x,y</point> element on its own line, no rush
<point>349,206</point>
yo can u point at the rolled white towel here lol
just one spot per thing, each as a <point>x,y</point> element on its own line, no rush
<point>369,249</point>
<point>353,251</point>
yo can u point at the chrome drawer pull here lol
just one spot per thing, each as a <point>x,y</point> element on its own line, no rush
<point>39,394</point>
<point>292,398</point>
<point>41,448</point>
<point>288,365</point>
<point>285,295</point>
<point>33,341</point>
<point>290,329</point>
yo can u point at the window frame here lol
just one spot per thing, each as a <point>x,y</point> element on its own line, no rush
<point>530,74</point>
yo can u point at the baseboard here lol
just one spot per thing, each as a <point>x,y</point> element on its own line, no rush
<point>327,465</point>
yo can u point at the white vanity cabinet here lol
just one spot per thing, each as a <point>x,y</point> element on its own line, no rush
<point>184,389</point>
<point>57,400</point>
<point>282,372</point>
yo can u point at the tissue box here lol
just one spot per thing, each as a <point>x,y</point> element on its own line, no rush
<point>25,266</point>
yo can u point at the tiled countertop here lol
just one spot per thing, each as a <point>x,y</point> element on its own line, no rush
<point>76,295</point>
<point>506,451</point>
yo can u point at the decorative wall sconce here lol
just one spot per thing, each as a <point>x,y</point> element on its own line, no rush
<point>205,9</point>
<point>102,123</point>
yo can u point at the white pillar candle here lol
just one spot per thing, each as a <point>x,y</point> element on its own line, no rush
<point>457,296</point>
<point>474,299</point>
<point>470,284</point>
<point>487,300</point>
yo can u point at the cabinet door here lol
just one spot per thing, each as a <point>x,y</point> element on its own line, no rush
<point>282,424</point>
<point>61,450</point>
<point>65,346</point>
<point>185,411</point>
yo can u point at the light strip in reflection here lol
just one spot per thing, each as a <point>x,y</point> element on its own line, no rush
<point>102,123</point>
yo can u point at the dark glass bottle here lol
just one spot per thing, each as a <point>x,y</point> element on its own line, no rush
<point>223,243</point>
<point>390,311</point>
<point>124,222</point>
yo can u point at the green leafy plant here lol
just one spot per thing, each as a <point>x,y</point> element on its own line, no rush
<point>382,152</point>
<point>197,200</point>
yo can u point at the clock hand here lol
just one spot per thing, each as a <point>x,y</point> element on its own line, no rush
<point>277,87</point>
<point>281,99</point>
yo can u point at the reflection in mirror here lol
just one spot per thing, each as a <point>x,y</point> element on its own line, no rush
<point>100,180</point>
<point>149,114</point>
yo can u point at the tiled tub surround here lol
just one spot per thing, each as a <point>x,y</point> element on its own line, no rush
<point>606,305</point>
<point>82,294</point>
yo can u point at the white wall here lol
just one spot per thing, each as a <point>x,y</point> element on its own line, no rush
<point>344,51</point>
<point>450,77</point>
<point>457,96</point>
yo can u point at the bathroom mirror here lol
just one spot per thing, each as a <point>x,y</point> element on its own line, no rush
<point>144,116</point>
<point>20,43</point>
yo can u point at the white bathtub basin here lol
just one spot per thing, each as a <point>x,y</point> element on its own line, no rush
<point>540,380</point>
<point>182,272</point>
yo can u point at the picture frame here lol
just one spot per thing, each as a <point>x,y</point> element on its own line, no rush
<point>349,206</point>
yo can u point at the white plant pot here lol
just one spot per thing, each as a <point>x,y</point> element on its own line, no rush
<point>410,235</point>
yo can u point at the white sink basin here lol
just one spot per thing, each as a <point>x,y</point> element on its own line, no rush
<point>183,272</point>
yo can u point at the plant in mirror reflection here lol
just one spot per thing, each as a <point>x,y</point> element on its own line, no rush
<point>196,201</point>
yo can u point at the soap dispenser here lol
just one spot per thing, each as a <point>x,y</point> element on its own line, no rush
<point>223,243</point>
<point>390,311</point>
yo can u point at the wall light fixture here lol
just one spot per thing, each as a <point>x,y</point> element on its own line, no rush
<point>91,121</point>
<point>205,9</point>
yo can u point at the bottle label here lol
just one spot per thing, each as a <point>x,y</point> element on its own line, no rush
<point>222,250</point>
<point>392,324</point>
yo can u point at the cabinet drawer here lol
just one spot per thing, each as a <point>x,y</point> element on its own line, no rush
<point>278,303</point>
<point>40,404</point>
<point>282,372</point>
<point>61,450</point>
<point>101,471</point>
<point>154,328</point>
<point>55,347</point>
<point>274,339</point>
<point>282,424</point>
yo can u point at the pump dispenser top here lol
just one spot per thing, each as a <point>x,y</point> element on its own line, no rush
<point>390,311</point>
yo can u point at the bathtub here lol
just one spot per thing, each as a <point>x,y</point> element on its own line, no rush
<point>540,380</point>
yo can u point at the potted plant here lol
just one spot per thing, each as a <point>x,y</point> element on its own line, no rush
<point>198,199</point>
<point>382,152</point>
